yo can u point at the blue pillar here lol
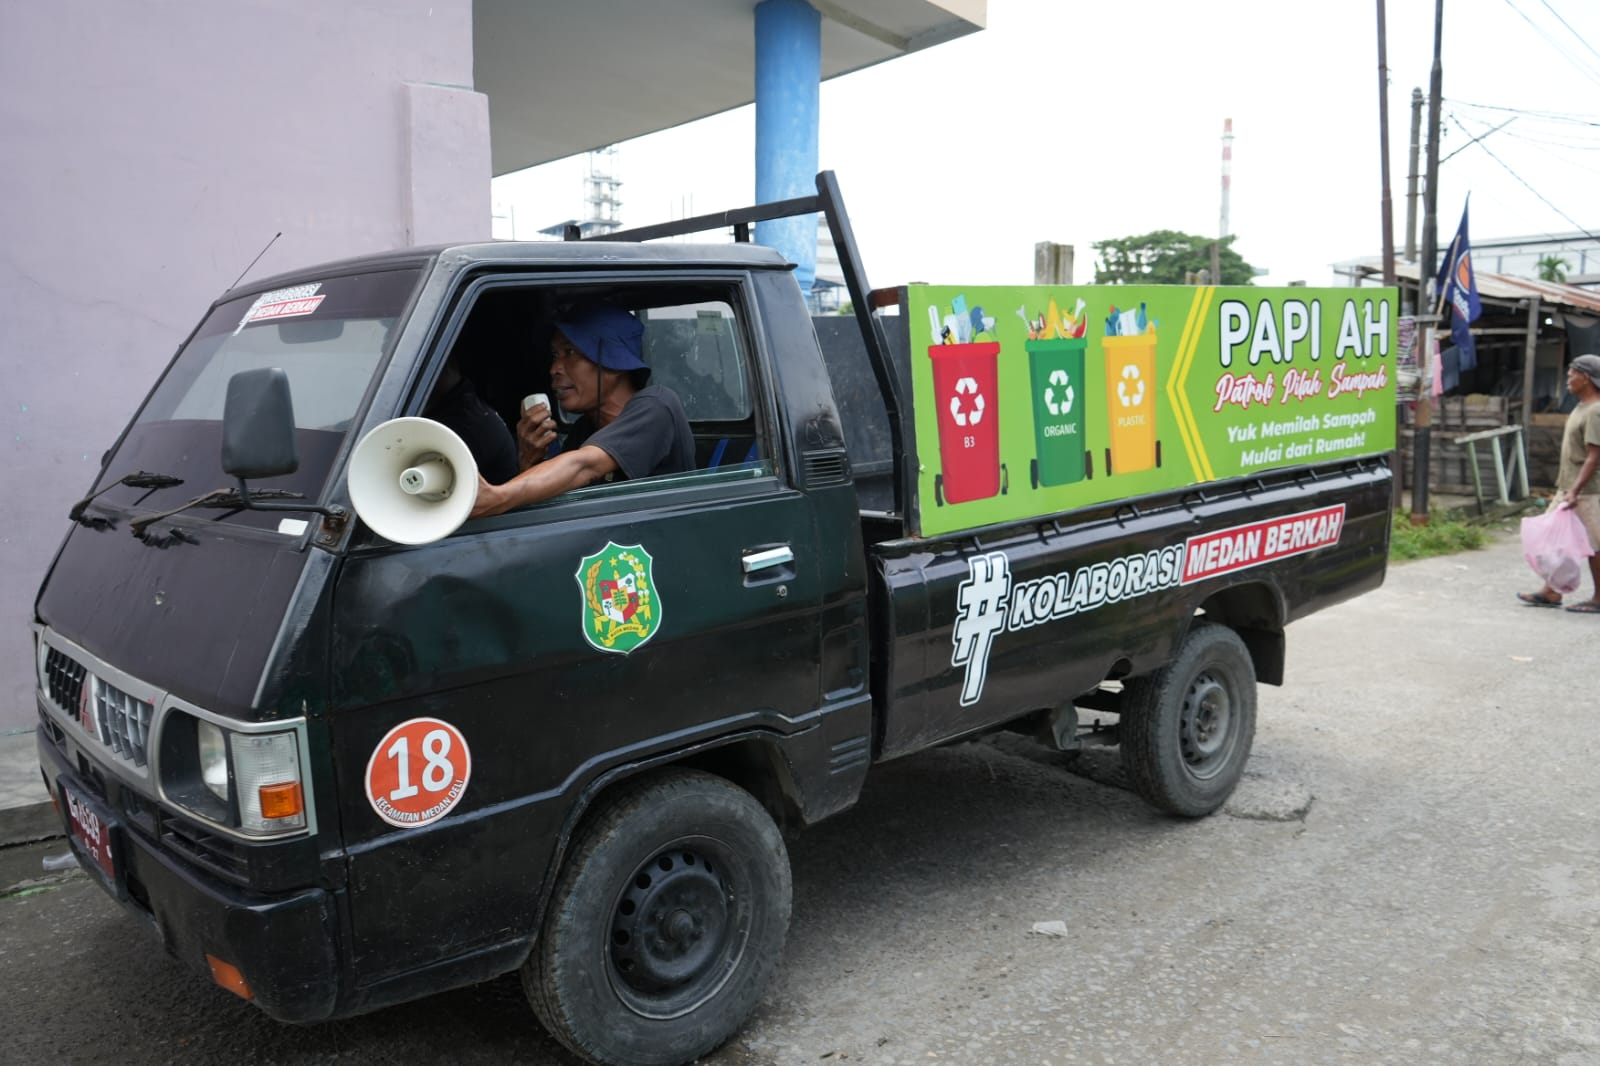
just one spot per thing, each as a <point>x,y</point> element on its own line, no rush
<point>788,78</point>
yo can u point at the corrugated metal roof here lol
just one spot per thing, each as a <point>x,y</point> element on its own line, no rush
<point>1504,287</point>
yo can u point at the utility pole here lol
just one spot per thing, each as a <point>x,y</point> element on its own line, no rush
<point>1423,432</point>
<point>1411,176</point>
<point>1227,183</point>
<point>1387,207</point>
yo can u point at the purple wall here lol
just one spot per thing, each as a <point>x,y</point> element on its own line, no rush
<point>152,148</point>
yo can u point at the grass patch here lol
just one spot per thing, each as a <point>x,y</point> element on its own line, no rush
<point>1443,535</point>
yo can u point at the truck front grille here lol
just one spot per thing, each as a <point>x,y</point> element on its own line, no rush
<point>118,720</point>
<point>64,675</point>
<point>123,722</point>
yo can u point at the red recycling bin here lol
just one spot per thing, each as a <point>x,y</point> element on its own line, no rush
<point>966,390</point>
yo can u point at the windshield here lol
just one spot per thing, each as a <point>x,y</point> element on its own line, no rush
<point>328,336</point>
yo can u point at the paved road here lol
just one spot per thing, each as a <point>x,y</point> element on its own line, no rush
<point>1410,874</point>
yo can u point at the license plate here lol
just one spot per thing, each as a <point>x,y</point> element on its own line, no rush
<point>92,831</point>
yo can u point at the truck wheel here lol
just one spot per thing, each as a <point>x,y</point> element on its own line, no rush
<point>1187,728</point>
<point>665,925</point>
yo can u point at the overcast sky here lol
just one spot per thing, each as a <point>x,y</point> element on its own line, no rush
<point>1078,122</point>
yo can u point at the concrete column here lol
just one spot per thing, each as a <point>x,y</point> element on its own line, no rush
<point>446,193</point>
<point>788,79</point>
<point>1052,263</point>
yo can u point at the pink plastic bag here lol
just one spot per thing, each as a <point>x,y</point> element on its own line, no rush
<point>1556,546</point>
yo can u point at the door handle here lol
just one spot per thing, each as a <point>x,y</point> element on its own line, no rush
<point>766,558</point>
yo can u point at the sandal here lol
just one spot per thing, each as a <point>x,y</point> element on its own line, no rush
<point>1585,607</point>
<point>1533,599</point>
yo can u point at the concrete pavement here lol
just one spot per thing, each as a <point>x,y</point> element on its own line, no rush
<point>25,809</point>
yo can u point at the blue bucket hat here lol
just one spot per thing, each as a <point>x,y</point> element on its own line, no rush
<point>608,337</point>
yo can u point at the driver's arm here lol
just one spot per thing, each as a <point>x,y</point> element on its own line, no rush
<point>568,470</point>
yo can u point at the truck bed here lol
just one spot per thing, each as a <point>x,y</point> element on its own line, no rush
<point>1043,659</point>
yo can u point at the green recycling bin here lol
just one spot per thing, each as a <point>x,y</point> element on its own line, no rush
<point>1055,367</point>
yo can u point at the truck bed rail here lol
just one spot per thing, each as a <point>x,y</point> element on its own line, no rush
<point>830,204</point>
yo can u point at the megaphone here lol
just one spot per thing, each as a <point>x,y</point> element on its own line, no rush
<point>413,480</point>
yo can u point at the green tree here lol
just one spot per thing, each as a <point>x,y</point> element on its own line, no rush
<point>1553,268</point>
<point>1167,257</point>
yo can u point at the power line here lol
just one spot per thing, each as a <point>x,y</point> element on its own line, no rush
<point>1530,188</point>
<point>1476,139</point>
<point>1557,152</point>
<point>1540,30</point>
<point>1548,116</point>
<point>1564,148</point>
<point>1535,131</point>
<point>1554,142</point>
<point>1568,25</point>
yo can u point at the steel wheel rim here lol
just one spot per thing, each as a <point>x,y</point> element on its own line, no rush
<point>679,927</point>
<point>1206,733</point>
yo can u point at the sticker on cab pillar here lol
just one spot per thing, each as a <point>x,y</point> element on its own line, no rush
<point>293,302</point>
<point>621,608</point>
<point>418,772</point>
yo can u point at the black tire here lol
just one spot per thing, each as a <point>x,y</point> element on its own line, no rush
<point>1187,729</point>
<point>665,925</point>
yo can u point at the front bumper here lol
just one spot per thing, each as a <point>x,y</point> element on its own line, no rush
<point>283,944</point>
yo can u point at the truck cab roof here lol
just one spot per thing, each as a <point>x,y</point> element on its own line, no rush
<point>535,253</point>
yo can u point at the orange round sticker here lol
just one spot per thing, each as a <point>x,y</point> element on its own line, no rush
<point>418,772</point>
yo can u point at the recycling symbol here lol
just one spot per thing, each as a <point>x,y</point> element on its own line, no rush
<point>1059,377</point>
<point>1130,396</point>
<point>960,412</point>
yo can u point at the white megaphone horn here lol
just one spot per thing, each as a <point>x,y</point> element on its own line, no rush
<point>413,480</point>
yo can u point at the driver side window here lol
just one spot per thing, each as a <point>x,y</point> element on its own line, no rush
<point>690,336</point>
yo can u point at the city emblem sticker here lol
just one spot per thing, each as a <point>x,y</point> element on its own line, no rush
<point>418,772</point>
<point>621,608</point>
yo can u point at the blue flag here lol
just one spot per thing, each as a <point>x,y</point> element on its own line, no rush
<point>1458,293</point>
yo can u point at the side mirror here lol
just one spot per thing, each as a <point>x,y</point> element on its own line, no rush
<point>258,425</point>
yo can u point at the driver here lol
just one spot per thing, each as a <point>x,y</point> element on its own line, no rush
<point>628,428</point>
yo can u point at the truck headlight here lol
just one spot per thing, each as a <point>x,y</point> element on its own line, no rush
<point>213,752</point>
<point>245,781</point>
<point>267,767</point>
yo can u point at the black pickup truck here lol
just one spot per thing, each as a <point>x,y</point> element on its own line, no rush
<point>335,770</point>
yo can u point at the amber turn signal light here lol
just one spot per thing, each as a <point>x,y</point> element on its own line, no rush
<point>281,801</point>
<point>228,976</point>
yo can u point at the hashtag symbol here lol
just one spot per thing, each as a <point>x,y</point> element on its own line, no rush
<point>980,617</point>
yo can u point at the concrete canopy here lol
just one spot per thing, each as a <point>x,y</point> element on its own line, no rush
<point>564,78</point>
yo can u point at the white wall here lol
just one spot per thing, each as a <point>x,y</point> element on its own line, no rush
<point>151,149</point>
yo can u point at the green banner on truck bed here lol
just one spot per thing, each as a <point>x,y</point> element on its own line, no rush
<point>1036,399</point>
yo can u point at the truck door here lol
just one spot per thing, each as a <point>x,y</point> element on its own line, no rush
<point>553,642</point>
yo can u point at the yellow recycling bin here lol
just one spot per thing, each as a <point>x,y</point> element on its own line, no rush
<point>1131,403</point>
